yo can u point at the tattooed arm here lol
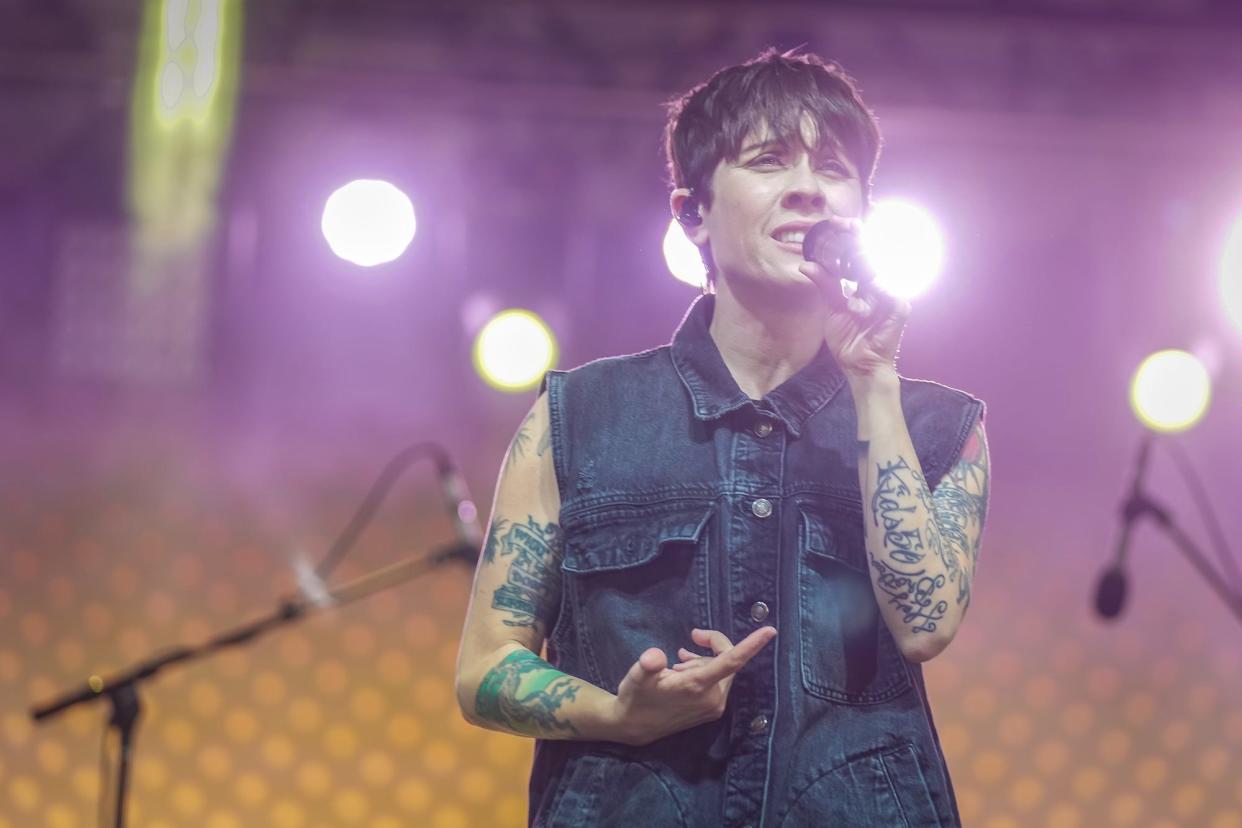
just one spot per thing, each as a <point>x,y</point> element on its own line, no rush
<point>922,546</point>
<point>502,683</point>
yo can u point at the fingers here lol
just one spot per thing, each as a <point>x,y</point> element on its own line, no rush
<point>717,641</point>
<point>828,284</point>
<point>730,658</point>
<point>689,660</point>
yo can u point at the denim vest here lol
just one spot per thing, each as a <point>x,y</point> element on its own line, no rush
<point>686,504</point>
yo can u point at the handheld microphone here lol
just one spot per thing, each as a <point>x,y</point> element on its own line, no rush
<point>1111,590</point>
<point>838,250</point>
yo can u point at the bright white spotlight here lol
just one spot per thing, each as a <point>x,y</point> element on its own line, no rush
<point>513,350</point>
<point>1231,275</point>
<point>1170,391</point>
<point>682,256</point>
<point>368,222</point>
<point>903,245</point>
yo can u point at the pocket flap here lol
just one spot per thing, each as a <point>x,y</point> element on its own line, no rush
<point>621,537</point>
<point>820,540</point>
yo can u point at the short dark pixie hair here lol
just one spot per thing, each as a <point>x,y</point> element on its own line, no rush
<point>709,123</point>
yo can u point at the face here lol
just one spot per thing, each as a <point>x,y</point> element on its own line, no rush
<point>763,202</point>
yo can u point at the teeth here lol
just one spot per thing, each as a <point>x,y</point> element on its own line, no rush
<point>794,236</point>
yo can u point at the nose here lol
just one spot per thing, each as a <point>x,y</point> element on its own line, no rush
<point>804,191</point>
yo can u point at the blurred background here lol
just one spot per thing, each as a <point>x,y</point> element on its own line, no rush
<point>199,384</point>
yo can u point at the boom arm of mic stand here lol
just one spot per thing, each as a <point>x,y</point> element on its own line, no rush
<point>1142,504</point>
<point>290,610</point>
<point>122,689</point>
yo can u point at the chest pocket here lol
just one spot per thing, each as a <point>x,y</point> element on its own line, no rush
<point>846,651</point>
<point>634,578</point>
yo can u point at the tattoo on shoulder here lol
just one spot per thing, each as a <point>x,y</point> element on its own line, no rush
<point>531,593</point>
<point>521,440</point>
<point>523,693</point>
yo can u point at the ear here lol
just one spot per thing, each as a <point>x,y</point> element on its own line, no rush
<point>677,203</point>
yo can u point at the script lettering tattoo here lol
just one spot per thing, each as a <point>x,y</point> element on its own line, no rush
<point>899,490</point>
<point>891,505</point>
<point>530,593</point>
<point>956,510</point>
<point>914,594</point>
<point>523,693</point>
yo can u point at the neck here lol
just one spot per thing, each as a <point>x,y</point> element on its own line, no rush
<point>765,343</point>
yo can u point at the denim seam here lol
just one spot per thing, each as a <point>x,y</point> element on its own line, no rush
<point>815,775</point>
<point>892,787</point>
<point>555,382</point>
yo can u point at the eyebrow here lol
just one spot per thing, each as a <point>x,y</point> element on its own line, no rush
<point>763,144</point>
<point>831,147</point>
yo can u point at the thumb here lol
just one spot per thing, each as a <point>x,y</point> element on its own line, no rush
<point>644,671</point>
<point>653,660</point>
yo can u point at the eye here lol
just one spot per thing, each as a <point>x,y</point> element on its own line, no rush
<point>767,159</point>
<point>834,166</point>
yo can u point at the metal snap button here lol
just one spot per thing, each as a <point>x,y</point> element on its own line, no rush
<point>763,428</point>
<point>758,612</point>
<point>761,507</point>
<point>759,724</point>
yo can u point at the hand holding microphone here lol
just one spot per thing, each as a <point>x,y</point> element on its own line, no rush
<point>864,329</point>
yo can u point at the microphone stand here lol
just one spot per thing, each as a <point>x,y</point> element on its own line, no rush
<point>1139,504</point>
<point>122,688</point>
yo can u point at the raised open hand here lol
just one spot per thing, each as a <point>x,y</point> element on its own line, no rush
<point>655,700</point>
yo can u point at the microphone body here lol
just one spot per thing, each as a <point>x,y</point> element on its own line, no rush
<point>838,250</point>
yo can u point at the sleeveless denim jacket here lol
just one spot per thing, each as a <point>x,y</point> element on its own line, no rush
<point>686,504</point>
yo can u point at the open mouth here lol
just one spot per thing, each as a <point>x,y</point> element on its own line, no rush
<point>790,238</point>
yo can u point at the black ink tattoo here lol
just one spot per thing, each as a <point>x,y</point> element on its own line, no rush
<point>956,510</point>
<point>523,693</point>
<point>531,591</point>
<point>545,442</point>
<point>899,491</point>
<point>960,506</point>
<point>522,439</point>
<point>890,506</point>
<point>496,535</point>
<point>913,594</point>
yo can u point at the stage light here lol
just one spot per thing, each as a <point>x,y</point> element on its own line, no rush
<point>1230,275</point>
<point>1170,391</point>
<point>368,222</point>
<point>903,245</point>
<point>513,350</point>
<point>682,256</point>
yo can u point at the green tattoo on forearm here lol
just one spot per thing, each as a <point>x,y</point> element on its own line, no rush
<point>523,693</point>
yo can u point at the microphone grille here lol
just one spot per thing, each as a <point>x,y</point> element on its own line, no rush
<point>1110,593</point>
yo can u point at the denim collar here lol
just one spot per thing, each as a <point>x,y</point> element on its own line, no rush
<point>715,392</point>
